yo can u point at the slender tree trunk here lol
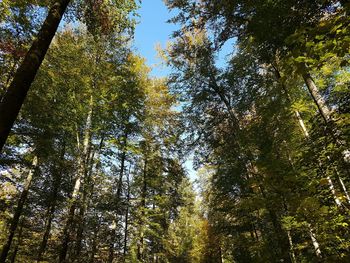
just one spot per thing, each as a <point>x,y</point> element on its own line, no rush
<point>82,160</point>
<point>315,94</point>
<point>86,193</point>
<point>94,241</point>
<point>18,243</point>
<point>140,245</point>
<point>126,217</point>
<point>220,254</point>
<point>305,131</point>
<point>324,111</point>
<point>122,168</point>
<point>52,207</point>
<point>334,193</point>
<point>12,101</point>
<point>289,99</point>
<point>251,168</point>
<point>276,225</point>
<point>18,211</point>
<point>216,88</point>
<point>68,226</point>
<point>118,197</point>
<point>83,207</point>
<point>48,223</point>
<point>86,175</point>
<point>302,124</point>
<point>112,241</point>
<point>81,225</point>
<point>291,246</point>
<point>315,242</point>
<point>256,233</point>
<point>344,189</point>
<point>293,257</point>
<point>11,73</point>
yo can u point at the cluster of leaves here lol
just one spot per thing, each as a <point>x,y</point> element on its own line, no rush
<point>93,166</point>
<point>271,127</point>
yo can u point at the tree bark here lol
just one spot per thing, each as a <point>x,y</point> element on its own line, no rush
<point>140,245</point>
<point>18,211</point>
<point>112,241</point>
<point>315,242</point>
<point>289,99</point>
<point>125,249</point>
<point>252,170</point>
<point>82,160</point>
<point>333,191</point>
<point>9,78</point>
<point>13,99</point>
<point>315,94</point>
<point>87,191</point>
<point>48,223</point>
<point>18,243</point>
<point>81,225</point>
<point>52,207</point>
<point>344,189</point>
<point>94,241</point>
<point>291,247</point>
<point>118,196</point>
<point>302,124</point>
<point>305,131</point>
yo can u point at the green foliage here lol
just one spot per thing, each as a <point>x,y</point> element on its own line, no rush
<point>277,189</point>
<point>111,141</point>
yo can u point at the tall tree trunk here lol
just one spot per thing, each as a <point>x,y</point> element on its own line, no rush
<point>18,243</point>
<point>11,73</point>
<point>18,211</point>
<point>325,112</point>
<point>125,249</point>
<point>112,241</point>
<point>140,245</point>
<point>48,223</point>
<point>86,193</point>
<point>302,124</point>
<point>305,131</point>
<point>277,226</point>
<point>315,94</point>
<point>118,196</point>
<point>289,99</point>
<point>315,242</point>
<point>344,188</point>
<point>291,247</point>
<point>94,241</point>
<point>81,225</point>
<point>83,207</point>
<point>12,101</point>
<point>57,174</point>
<point>68,226</point>
<point>220,254</point>
<point>323,109</point>
<point>333,191</point>
<point>82,160</point>
<point>252,170</point>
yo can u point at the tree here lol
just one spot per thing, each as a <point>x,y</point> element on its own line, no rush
<point>14,97</point>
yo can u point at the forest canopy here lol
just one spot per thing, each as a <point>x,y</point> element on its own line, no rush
<point>94,149</point>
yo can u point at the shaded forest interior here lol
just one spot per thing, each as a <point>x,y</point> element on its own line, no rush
<point>94,148</point>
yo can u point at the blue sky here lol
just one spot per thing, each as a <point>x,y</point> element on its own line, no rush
<point>153,29</point>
